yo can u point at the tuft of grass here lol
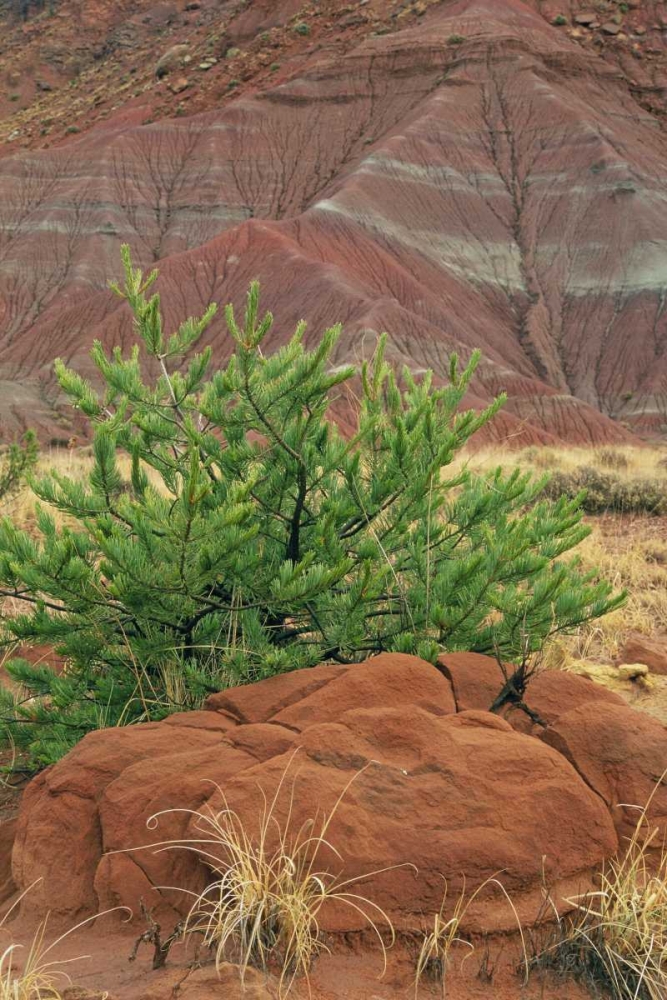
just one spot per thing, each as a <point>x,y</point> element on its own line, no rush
<point>264,904</point>
<point>617,936</point>
<point>436,952</point>
<point>455,40</point>
<point>38,976</point>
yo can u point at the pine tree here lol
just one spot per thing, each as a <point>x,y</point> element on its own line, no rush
<point>228,531</point>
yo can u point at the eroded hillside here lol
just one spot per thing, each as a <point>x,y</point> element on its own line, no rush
<point>461,174</point>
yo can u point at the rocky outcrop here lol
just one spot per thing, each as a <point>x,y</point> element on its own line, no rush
<point>502,192</point>
<point>651,651</point>
<point>436,793</point>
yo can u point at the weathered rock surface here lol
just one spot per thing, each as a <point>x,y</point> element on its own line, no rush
<point>621,754</point>
<point>456,794</point>
<point>476,681</point>
<point>505,192</point>
<point>648,650</point>
<point>7,835</point>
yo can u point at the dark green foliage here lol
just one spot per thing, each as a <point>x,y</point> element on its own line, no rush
<point>607,493</point>
<point>244,536</point>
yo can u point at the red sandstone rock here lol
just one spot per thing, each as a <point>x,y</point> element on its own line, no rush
<point>7,834</point>
<point>377,187</point>
<point>553,693</point>
<point>477,680</point>
<point>455,795</point>
<point>621,754</point>
<point>640,648</point>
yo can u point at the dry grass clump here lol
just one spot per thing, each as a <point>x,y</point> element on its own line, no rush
<point>38,976</point>
<point>38,979</point>
<point>263,907</point>
<point>617,936</point>
<point>611,458</point>
<point>436,951</point>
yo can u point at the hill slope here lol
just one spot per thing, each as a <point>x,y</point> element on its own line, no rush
<point>460,173</point>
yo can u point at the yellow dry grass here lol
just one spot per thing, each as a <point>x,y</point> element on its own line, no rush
<point>437,947</point>
<point>270,886</point>
<point>617,934</point>
<point>625,461</point>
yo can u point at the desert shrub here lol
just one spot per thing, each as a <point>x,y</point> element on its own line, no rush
<point>609,458</point>
<point>19,458</point>
<point>249,537</point>
<point>605,493</point>
<point>542,458</point>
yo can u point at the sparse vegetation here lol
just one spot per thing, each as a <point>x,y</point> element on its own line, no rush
<point>28,972</point>
<point>606,492</point>
<point>629,550</point>
<point>437,949</point>
<point>19,459</point>
<point>617,936</point>
<point>559,20</point>
<point>455,40</point>
<point>302,28</point>
<point>249,537</point>
<point>270,886</point>
<point>612,458</point>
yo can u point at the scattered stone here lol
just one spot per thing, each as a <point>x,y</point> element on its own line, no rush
<point>585,19</point>
<point>610,28</point>
<point>193,5</point>
<point>644,649</point>
<point>44,86</point>
<point>208,64</point>
<point>232,52</point>
<point>353,20</point>
<point>171,60</point>
<point>632,671</point>
<point>179,85</point>
<point>80,993</point>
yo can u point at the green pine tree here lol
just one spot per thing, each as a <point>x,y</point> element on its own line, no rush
<point>227,531</point>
